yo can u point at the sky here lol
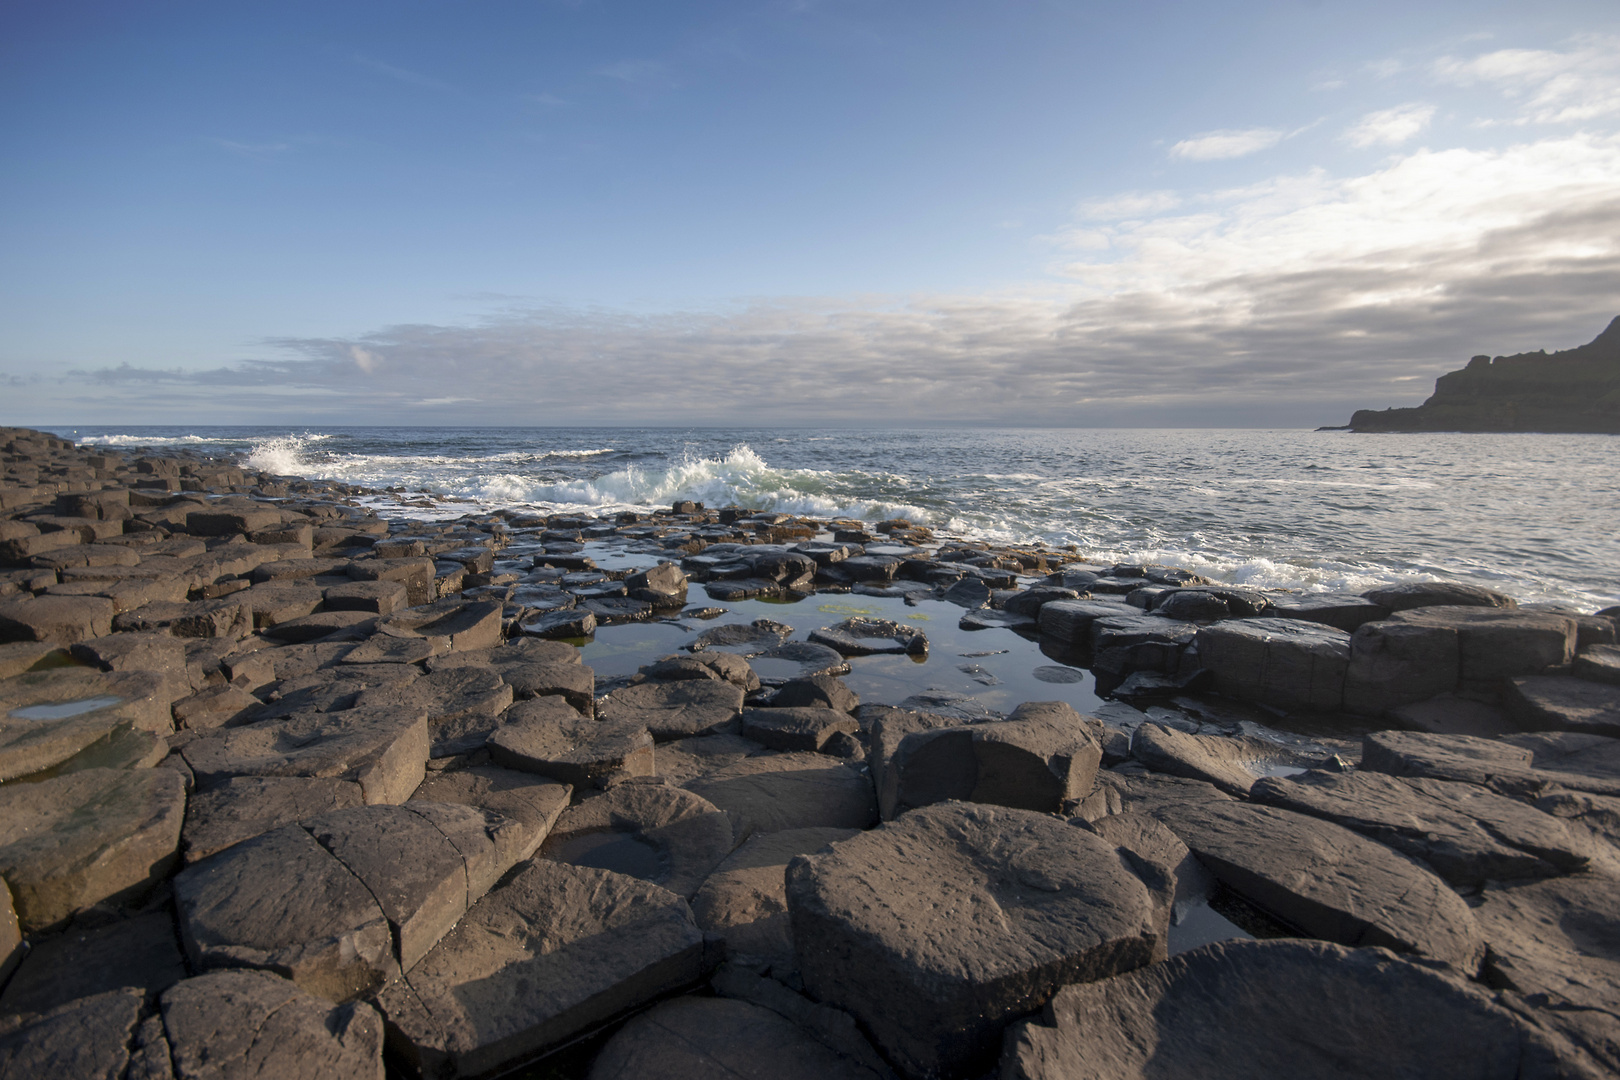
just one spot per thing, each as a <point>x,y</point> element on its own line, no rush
<point>1257,213</point>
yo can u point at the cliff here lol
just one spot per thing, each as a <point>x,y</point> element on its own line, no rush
<point>1577,390</point>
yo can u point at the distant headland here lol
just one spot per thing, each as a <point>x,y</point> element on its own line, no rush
<point>1574,391</point>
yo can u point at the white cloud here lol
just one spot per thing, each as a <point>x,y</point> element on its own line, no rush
<point>1579,84</point>
<point>1390,127</point>
<point>1220,145</point>
<point>1130,204</point>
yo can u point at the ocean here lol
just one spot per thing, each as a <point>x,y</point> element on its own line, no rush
<point>1535,516</point>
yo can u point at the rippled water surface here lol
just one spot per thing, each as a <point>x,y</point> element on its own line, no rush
<point>1537,516</point>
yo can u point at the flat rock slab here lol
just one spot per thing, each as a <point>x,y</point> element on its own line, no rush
<point>676,710</point>
<point>1284,663</point>
<point>692,1036</point>
<point>1275,1010</point>
<point>1422,594</point>
<point>88,1037</point>
<point>1034,764</point>
<point>862,636</point>
<point>572,750</point>
<point>1526,765</point>
<point>796,728</point>
<point>463,705</point>
<point>281,902</point>
<point>243,807</point>
<point>143,951</point>
<point>240,1024</point>
<point>450,625</point>
<point>1328,881</point>
<point>382,750</point>
<point>937,929</point>
<point>684,760</point>
<point>796,660</point>
<point>91,837</point>
<point>660,834</point>
<point>1495,643</point>
<point>745,899</point>
<point>743,639</point>
<point>791,791</point>
<point>1224,762</point>
<point>1561,703</point>
<point>517,796</point>
<point>1599,663</point>
<point>46,717</point>
<point>58,620</point>
<point>1559,937</point>
<point>552,953</point>
<point>1467,833</point>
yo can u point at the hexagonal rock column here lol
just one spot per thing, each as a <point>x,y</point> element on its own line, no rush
<point>87,1037</point>
<point>1285,663</point>
<point>660,834</point>
<point>252,1023</point>
<point>937,929</point>
<point>87,837</point>
<point>450,625</point>
<point>570,748</point>
<point>771,792</point>
<point>552,953</point>
<point>1036,764</point>
<point>1274,1010</point>
<point>48,716</point>
<point>676,710</point>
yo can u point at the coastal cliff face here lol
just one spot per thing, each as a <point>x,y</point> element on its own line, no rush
<point>1575,391</point>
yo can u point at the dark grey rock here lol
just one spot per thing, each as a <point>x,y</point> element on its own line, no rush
<point>675,710</point>
<point>243,807</point>
<point>1032,764</point>
<point>771,792</point>
<point>1347,611</point>
<point>1397,663</point>
<point>1558,703</point>
<point>745,899</point>
<point>1284,663</point>
<point>862,636</point>
<point>571,750</point>
<point>1437,594</point>
<point>1497,643</point>
<point>801,728</point>
<point>670,837</point>
<point>88,1037</point>
<point>143,951</point>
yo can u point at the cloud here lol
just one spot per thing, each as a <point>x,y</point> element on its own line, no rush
<point>1220,145</point>
<point>1550,87</point>
<point>1389,127</point>
<point>404,75</point>
<point>1130,204</point>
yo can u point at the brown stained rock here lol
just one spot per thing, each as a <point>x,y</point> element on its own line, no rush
<point>377,597</point>
<point>1559,937</point>
<point>282,903</point>
<point>46,717</point>
<point>937,929</point>
<point>802,728</point>
<point>554,952</point>
<point>384,751</point>
<point>11,942</point>
<point>685,760</point>
<point>1032,764</point>
<point>17,657</point>
<point>693,1036</point>
<point>143,951</point>
<point>462,705</point>
<point>1276,1010</point>
<point>676,710</point>
<point>572,750</point>
<point>1328,881</point>
<point>277,602</point>
<point>1284,663</point>
<point>418,877</point>
<point>88,1037</point>
<point>449,625</point>
<point>243,1025</point>
<point>215,706</point>
<point>390,650</point>
<point>1467,833</point>
<point>771,792</point>
<point>710,664</point>
<point>1560,703</point>
<point>321,625</point>
<point>490,844</point>
<point>530,800</point>
<point>661,834</point>
<point>1497,643</point>
<point>745,899</point>
<point>243,807</point>
<point>58,620</point>
<point>91,837</point>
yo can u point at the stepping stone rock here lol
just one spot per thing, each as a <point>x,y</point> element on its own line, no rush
<point>1467,833</point>
<point>1275,1010</point>
<point>240,1024</point>
<point>243,807</point>
<point>390,650</point>
<point>937,929</point>
<point>743,639</point>
<point>449,625</point>
<point>560,624</point>
<point>1599,663</point>
<point>816,691</point>
<point>676,710</point>
<point>1069,621</point>
<point>1495,643</point>
<point>376,597</point>
<point>745,899</point>
<point>693,1036</point>
<point>46,717</point>
<point>685,760</point>
<point>322,625</point>
<point>463,705</point>
<point>1559,703</point>
<point>1528,765</point>
<point>553,953</point>
<point>1397,663</point>
<point>1284,663</point>
<point>143,952</point>
<point>99,836</point>
<point>1033,764</point>
<point>661,834</point>
<point>1448,714</point>
<point>709,665</point>
<point>88,1037</point>
<point>1329,882</point>
<point>1559,938</point>
<point>380,749</point>
<point>803,728</point>
<point>577,751</point>
<point>517,796</point>
<point>772,792</point>
<point>58,620</point>
<point>281,902</point>
<point>1347,611</point>
<point>1424,594</point>
<point>797,660</point>
<point>1232,764</point>
<point>861,636</point>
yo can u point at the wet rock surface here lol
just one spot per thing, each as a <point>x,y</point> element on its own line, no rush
<point>279,775</point>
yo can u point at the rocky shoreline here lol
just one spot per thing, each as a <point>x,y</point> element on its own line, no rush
<point>287,788</point>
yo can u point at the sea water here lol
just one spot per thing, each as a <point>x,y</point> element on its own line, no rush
<point>1535,516</point>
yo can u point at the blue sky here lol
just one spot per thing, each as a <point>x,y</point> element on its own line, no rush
<point>1054,213</point>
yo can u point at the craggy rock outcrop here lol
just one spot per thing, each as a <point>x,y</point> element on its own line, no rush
<point>1576,390</point>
